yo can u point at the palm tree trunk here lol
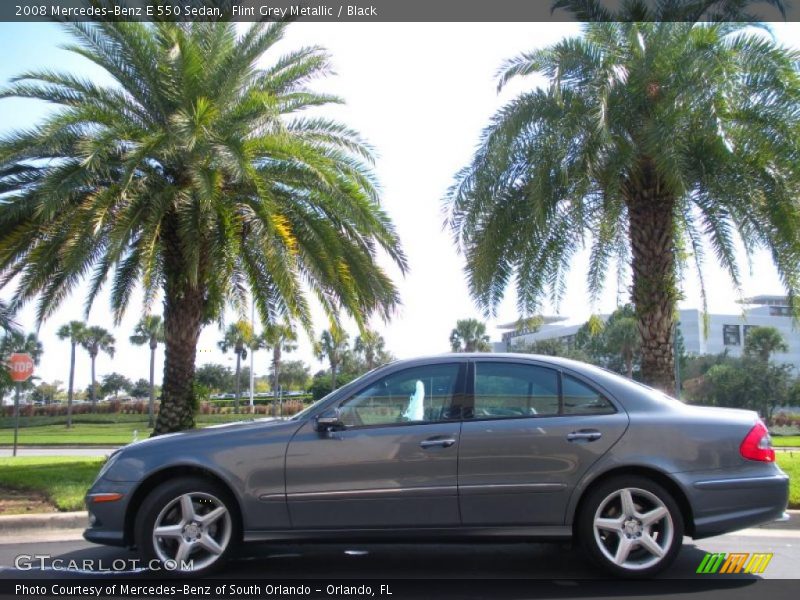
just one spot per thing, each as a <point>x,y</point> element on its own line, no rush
<point>238,381</point>
<point>276,368</point>
<point>183,319</point>
<point>71,386</point>
<point>333,376</point>
<point>94,391</point>
<point>152,404</point>
<point>652,237</point>
<point>183,314</point>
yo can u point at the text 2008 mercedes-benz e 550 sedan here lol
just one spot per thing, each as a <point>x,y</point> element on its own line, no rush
<point>452,447</point>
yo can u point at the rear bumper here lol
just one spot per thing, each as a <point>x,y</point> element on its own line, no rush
<point>724,504</point>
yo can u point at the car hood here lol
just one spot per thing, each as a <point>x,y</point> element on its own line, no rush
<point>211,431</point>
<point>206,446</point>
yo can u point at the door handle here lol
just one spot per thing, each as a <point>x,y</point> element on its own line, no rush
<point>443,443</point>
<point>588,435</point>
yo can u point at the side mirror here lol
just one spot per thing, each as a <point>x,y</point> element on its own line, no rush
<point>330,420</point>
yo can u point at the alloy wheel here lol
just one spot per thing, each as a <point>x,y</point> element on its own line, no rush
<point>633,528</point>
<point>192,531</point>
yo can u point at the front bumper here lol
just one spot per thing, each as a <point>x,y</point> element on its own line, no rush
<point>107,519</point>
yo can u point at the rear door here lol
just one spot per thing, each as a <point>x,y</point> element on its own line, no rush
<point>533,432</point>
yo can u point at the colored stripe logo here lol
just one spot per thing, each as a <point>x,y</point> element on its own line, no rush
<point>735,562</point>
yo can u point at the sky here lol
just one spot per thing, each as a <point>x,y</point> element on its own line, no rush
<point>420,93</point>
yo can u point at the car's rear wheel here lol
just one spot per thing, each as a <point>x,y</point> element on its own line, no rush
<point>189,525</point>
<point>631,526</point>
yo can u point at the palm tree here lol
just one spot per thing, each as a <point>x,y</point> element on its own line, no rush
<point>279,338</point>
<point>198,176</point>
<point>16,341</point>
<point>675,10</point>
<point>652,141</point>
<point>95,340</point>
<point>72,331</point>
<point>6,318</point>
<point>150,330</point>
<point>238,337</point>
<point>763,342</point>
<point>469,335</point>
<point>332,346</point>
<point>370,345</point>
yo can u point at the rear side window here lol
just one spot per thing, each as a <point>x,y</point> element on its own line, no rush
<point>580,399</point>
<point>504,390</point>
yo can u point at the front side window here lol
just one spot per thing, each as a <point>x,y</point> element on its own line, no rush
<point>504,390</point>
<point>421,394</point>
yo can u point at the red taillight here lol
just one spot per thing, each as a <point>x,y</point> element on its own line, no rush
<point>757,445</point>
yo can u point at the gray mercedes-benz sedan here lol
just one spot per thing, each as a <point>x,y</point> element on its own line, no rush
<point>453,447</point>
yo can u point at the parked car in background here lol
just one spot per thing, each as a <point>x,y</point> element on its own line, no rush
<point>451,448</point>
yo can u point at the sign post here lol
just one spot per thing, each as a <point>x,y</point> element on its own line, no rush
<point>20,368</point>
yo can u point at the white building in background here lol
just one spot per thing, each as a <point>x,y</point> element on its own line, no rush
<point>724,331</point>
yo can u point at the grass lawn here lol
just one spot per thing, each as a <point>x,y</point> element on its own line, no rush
<point>62,479</point>
<point>790,463</point>
<point>114,434</point>
<point>782,441</point>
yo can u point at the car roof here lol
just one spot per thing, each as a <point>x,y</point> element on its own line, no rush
<point>635,394</point>
<point>553,360</point>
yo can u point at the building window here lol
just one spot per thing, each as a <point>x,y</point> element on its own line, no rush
<point>780,311</point>
<point>731,335</point>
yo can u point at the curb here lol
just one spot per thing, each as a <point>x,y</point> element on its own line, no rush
<point>16,523</point>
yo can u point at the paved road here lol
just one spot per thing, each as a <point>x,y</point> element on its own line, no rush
<point>400,561</point>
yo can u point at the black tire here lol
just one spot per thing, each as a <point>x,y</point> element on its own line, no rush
<point>166,504</point>
<point>606,545</point>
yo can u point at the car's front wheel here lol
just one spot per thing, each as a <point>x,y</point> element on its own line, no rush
<point>631,526</point>
<point>187,526</point>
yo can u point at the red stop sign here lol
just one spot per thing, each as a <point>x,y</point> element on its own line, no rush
<point>20,366</point>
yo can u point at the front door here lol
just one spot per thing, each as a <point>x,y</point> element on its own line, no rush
<point>534,432</point>
<point>395,462</point>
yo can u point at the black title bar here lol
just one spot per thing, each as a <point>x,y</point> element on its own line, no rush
<point>707,588</point>
<point>381,10</point>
